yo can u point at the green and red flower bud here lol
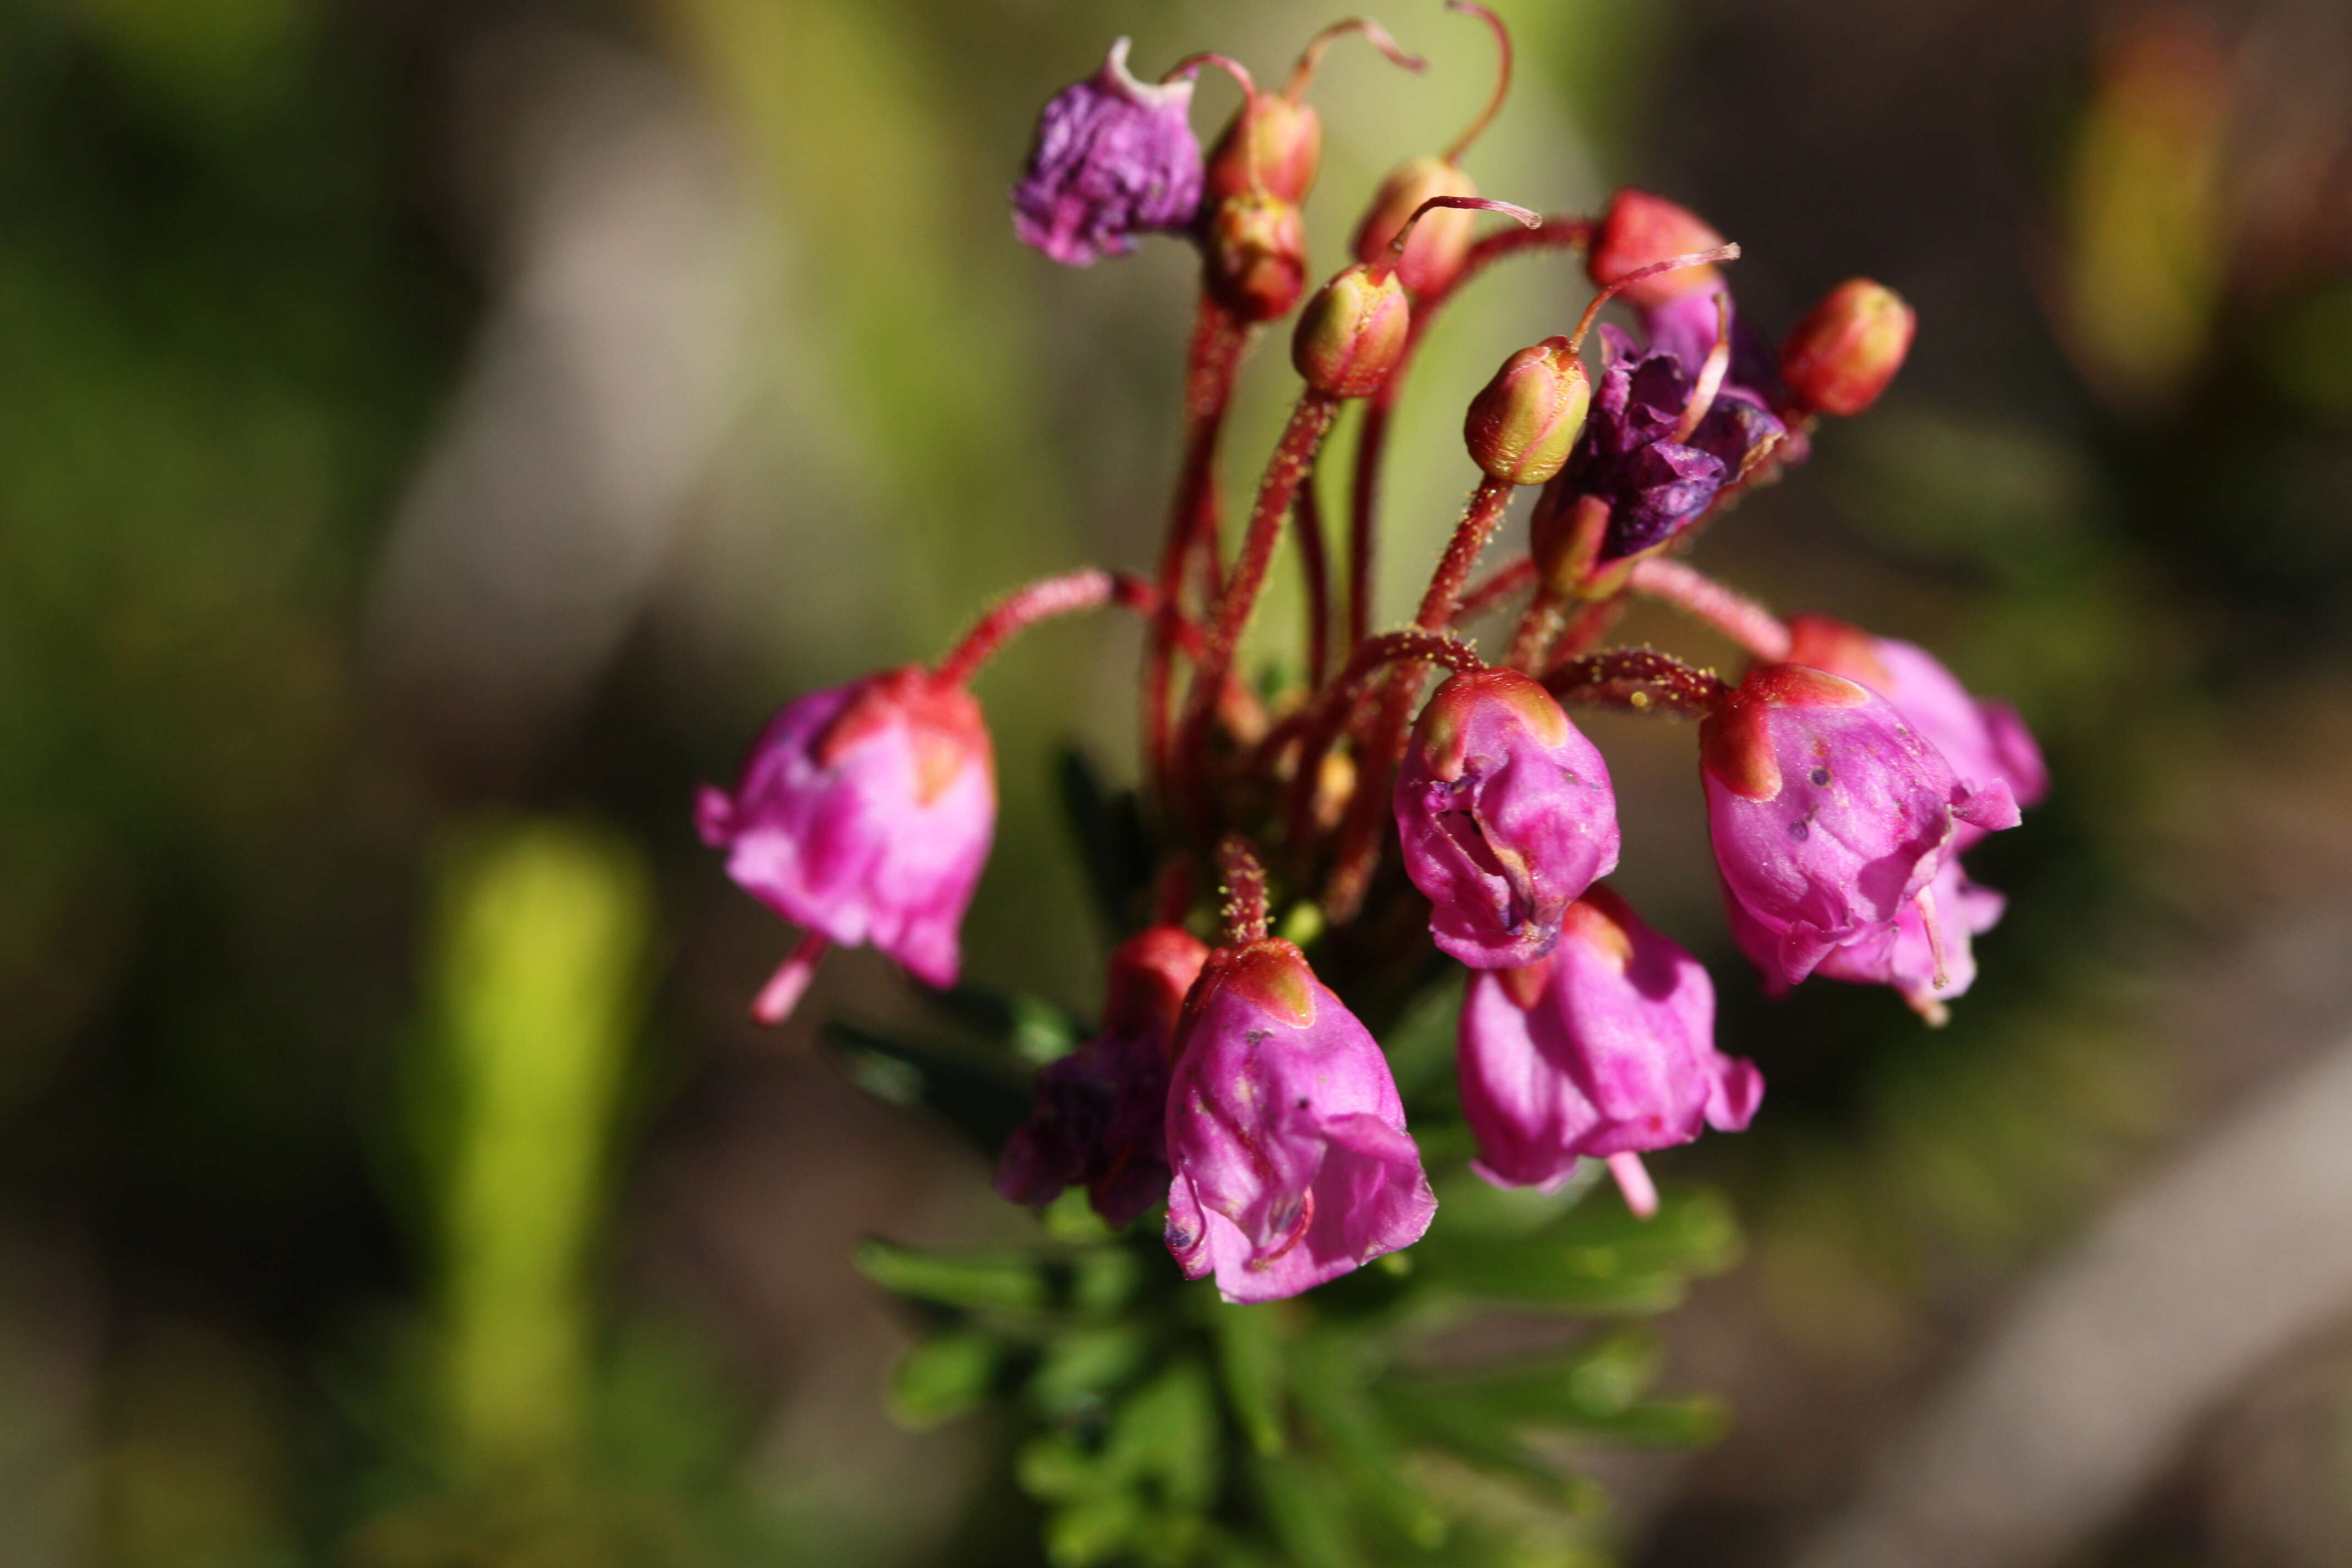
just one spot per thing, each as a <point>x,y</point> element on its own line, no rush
<point>1521,427</point>
<point>1434,255</point>
<point>1272,146</point>
<point>1843,354</point>
<point>1256,256</point>
<point>1352,333</point>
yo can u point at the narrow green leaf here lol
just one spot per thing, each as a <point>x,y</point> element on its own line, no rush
<point>985,1283</point>
<point>1308,1511</point>
<point>944,1376</point>
<point>1249,1354</point>
<point>982,1096</point>
<point>1083,1367</point>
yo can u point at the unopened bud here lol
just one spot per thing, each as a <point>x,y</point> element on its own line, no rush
<point>1433,253</point>
<point>1257,256</point>
<point>1520,428</point>
<point>1842,356</point>
<point>1272,144</point>
<point>1640,230</point>
<point>1352,332</point>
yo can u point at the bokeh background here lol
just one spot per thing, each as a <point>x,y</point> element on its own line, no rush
<point>432,435</point>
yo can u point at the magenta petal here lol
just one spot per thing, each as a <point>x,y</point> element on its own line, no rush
<point>1505,816</point>
<point>864,814</point>
<point>1288,1139</point>
<point>1615,1054</point>
<point>1828,815</point>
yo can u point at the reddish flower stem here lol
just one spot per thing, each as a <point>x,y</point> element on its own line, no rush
<point>1218,341</point>
<point>1359,833</point>
<point>1639,680</point>
<point>1560,232</point>
<point>1038,601</point>
<point>1504,582</point>
<point>1314,561</point>
<point>1243,912</point>
<point>1293,455</point>
<point>1732,613</point>
<point>1329,715</point>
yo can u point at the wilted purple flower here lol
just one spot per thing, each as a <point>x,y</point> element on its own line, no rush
<point>1630,458</point>
<point>1605,1048</point>
<point>864,814</point>
<point>1829,810</point>
<point>1687,326</point>
<point>1983,741</point>
<point>1292,1162</point>
<point>1113,156</point>
<point>1505,814</point>
<point>1102,1110</point>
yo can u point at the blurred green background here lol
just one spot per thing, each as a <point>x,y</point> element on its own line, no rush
<point>434,435</point>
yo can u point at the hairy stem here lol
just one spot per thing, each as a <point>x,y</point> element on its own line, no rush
<point>1219,341</point>
<point>1560,231</point>
<point>1038,601</point>
<point>1293,455</point>
<point>1729,611</point>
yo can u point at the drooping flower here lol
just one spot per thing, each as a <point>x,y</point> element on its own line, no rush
<point>1505,814</point>
<point>1982,740</point>
<point>1830,812</point>
<point>1292,1162</point>
<point>1113,157</point>
<point>1605,1048</point>
<point>864,814</point>
<point>1635,456</point>
<point>1101,1115</point>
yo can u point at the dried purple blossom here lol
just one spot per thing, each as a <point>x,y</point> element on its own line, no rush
<point>1113,157</point>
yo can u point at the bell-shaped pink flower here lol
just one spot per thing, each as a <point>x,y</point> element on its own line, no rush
<point>1926,965</point>
<point>1292,1162</point>
<point>864,814</point>
<point>1113,156</point>
<point>1505,816</point>
<point>1830,812</point>
<point>1102,1111</point>
<point>1982,740</point>
<point>1605,1048</point>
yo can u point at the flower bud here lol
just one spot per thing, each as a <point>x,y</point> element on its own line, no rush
<point>1352,332</point>
<point>1842,356</point>
<point>1433,253</point>
<point>1272,146</point>
<point>1521,427</point>
<point>1257,256</point>
<point>1640,230</point>
<point>1505,816</point>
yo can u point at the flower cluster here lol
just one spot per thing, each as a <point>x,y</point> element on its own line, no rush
<point>1843,773</point>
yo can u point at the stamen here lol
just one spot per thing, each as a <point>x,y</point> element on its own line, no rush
<point>1710,373</point>
<point>1311,57</point>
<point>1502,79</point>
<point>1671,264</point>
<point>1526,217</point>
<point>1192,64</point>
<point>1633,1180</point>
<point>1935,928</point>
<point>790,983</point>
